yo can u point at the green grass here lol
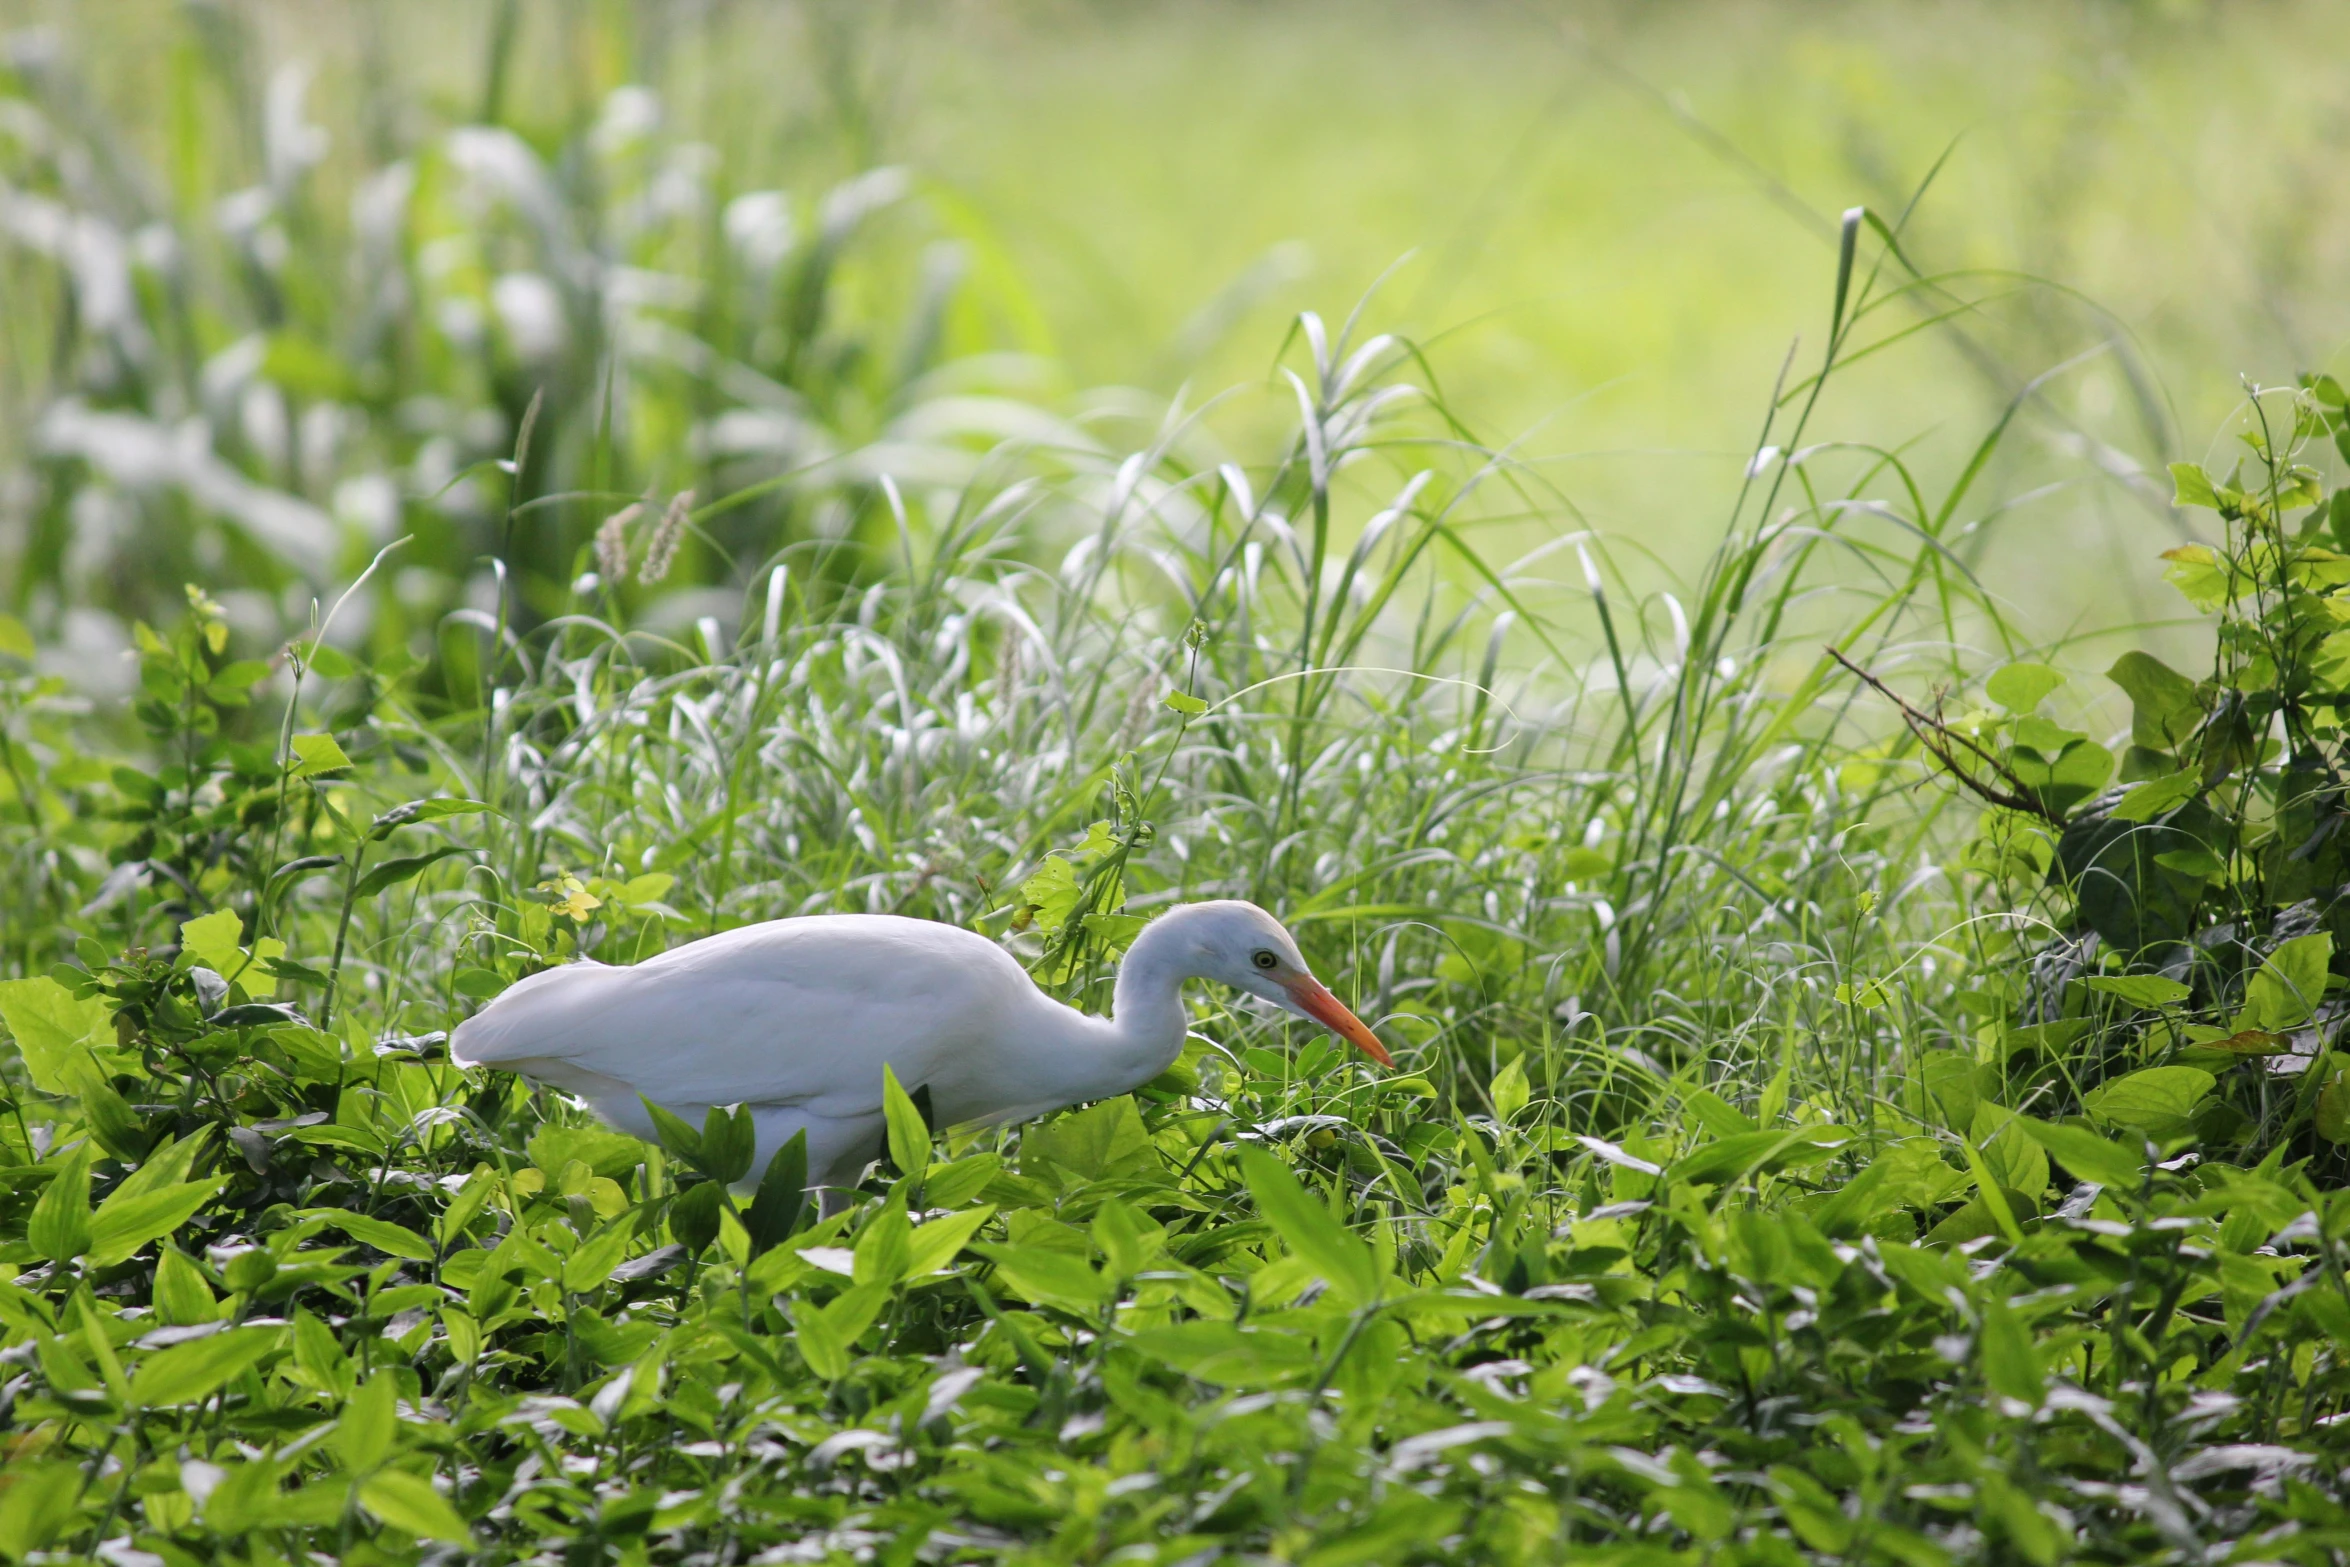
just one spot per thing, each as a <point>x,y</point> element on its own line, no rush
<point>1607,283</point>
<point>1755,1186</point>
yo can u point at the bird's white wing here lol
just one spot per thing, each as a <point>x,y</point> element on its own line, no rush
<point>792,1012</point>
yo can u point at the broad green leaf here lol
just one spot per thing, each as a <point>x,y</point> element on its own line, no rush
<point>60,1225</point>
<point>2245,1042</point>
<point>1052,892</point>
<point>610,1154</point>
<point>2191,486</point>
<point>63,1367</point>
<point>819,1343</point>
<point>464,1335</point>
<point>182,1298</point>
<point>2164,705</point>
<point>1228,1355</point>
<point>451,1223</point>
<point>908,1133</point>
<point>613,1343</point>
<point>231,683</point>
<point>2022,687</point>
<point>885,1247</point>
<point>245,1498</point>
<point>15,640</point>
<point>694,1217</point>
<point>2014,1159</point>
<point>2199,574</point>
<point>188,1373</point>
<point>1732,1159</point>
<point>1580,864</point>
<point>1977,1218</point>
<point>2288,985</point>
<point>1185,703</point>
<point>2331,1114</point>
<point>1305,1225</point>
<point>476,983</point>
<point>2011,1365</point>
<point>116,1126</point>
<point>827,1336</point>
<point>1509,1090</point>
<point>651,887</point>
<point>370,1423</point>
<point>357,1139</point>
<point>53,1029</point>
<point>676,1134</point>
<point>1127,1240</point>
<point>1847,1212</point>
<point>39,1501</point>
<point>1717,1115</point>
<point>128,1220</point>
<point>2157,796</point>
<point>2157,1100</point>
<point>1916,1175</point>
<point>1811,1511</point>
<point>316,754</point>
<point>409,1502</point>
<point>2049,1040</point>
<point>169,1163</point>
<point>954,1184</point>
<point>324,657</point>
<point>935,1243</point>
<point>1949,1078</point>
<point>94,1340</point>
<point>592,1264</point>
<point>2141,990</point>
<point>2077,771</point>
<point>2329,663</point>
<point>782,1196</point>
<point>1103,1140</point>
<point>1114,931</point>
<point>387,874</point>
<point>730,1141</point>
<point>395,1240</point>
<point>214,941</point>
<point>2037,734</point>
<point>318,1356</point>
<point>416,811</point>
<point>2088,1156</point>
<point>1049,1277</point>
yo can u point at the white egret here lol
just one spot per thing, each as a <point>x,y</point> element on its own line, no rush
<point>796,1017</point>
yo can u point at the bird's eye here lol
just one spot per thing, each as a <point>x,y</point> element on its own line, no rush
<point>1263,958</point>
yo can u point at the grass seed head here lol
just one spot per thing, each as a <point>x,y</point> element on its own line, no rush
<point>612,543</point>
<point>662,548</point>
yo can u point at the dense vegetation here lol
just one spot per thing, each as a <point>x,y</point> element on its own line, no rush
<point>1846,1107</point>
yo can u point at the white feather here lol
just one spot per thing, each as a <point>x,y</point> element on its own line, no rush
<point>795,1019</point>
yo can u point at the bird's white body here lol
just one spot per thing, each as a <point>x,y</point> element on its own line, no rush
<point>796,1017</point>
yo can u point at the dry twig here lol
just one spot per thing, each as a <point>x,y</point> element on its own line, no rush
<point>1938,738</point>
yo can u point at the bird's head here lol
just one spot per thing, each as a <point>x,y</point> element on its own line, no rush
<point>1242,946</point>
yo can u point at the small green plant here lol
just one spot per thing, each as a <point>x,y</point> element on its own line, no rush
<point>1749,1193</point>
<point>2196,872</point>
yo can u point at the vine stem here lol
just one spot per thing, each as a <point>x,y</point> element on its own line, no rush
<point>1937,738</point>
<point>334,972</point>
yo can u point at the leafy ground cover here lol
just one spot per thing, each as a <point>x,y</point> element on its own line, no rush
<point>1850,1105</point>
<point>1737,1197</point>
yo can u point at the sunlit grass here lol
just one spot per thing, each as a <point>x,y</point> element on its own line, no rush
<point>694,550</point>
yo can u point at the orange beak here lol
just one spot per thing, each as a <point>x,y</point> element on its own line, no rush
<point>1315,1001</point>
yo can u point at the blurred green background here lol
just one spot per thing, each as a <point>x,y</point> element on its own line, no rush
<point>326,251</point>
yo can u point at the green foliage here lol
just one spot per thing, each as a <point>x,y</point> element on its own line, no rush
<point>2207,887</point>
<point>1744,1194</point>
<point>1545,1339</point>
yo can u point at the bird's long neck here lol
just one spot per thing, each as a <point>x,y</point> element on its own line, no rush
<point>1147,1024</point>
